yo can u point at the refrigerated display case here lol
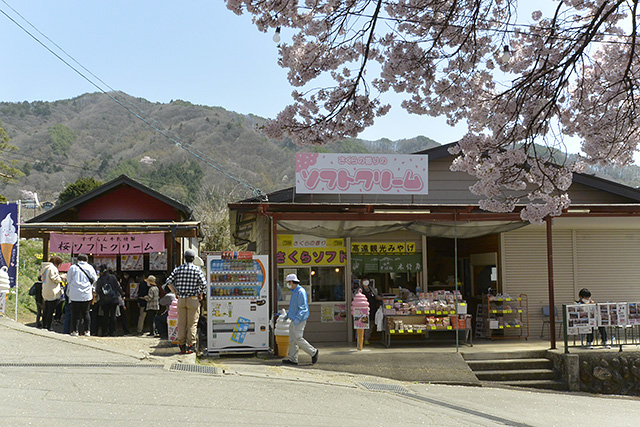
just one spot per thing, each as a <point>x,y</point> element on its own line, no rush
<point>237,302</point>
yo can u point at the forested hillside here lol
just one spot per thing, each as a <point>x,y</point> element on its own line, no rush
<point>93,136</point>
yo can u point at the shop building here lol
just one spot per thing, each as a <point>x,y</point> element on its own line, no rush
<point>123,223</point>
<point>443,241</point>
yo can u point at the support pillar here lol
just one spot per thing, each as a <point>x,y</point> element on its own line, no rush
<point>552,314</point>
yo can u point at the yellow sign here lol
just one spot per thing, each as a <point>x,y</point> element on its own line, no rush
<point>383,248</point>
<point>299,250</point>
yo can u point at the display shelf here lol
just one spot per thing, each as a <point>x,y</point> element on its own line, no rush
<point>424,327</point>
<point>505,317</point>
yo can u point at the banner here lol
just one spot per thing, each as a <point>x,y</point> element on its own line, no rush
<point>106,244</point>
<point>363,264</point>
<point>383,248</point>
<point>9,240</point>
<point>300,250</point>
<point>392,174</point>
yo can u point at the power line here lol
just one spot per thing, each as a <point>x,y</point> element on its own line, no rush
<point>177,141</point>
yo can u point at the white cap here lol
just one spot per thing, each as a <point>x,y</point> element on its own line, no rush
<point>292,278</point>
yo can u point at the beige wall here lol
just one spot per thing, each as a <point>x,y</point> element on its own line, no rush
<point>604,260</point>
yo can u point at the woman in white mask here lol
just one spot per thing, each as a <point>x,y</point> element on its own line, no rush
<point>584,297</point>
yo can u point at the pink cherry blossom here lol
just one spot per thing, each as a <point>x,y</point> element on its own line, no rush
<point>573,72</point>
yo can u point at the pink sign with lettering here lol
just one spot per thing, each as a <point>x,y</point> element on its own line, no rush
<point>106,244</point>
<point>361,173</point>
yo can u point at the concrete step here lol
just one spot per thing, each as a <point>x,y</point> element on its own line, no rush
<point>509,364</point>
<point>530,354</point>
<point>517,375</point>
<point>556,385</point>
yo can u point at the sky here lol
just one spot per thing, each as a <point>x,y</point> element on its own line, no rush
<point>195,50</point>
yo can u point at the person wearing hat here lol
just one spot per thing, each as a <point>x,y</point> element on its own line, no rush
<point>188,283</point>
<point>153,301</point>
<point>298,313</point>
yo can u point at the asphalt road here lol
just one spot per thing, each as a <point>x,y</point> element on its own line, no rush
<point>46,379</point>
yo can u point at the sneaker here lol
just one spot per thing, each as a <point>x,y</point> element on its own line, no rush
<point>87,333</point>
<point>590,347</point>
<point>190,349</point>
<point>183,349</point>
<point>607,346</point>
<point>74,334</point>
<point>289,362</point>
<point>314,358</point>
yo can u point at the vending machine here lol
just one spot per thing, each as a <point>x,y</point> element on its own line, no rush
<point>238,302</point>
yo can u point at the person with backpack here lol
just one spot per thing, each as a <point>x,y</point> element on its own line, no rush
<point>108,289</point>
<point>81,277</point>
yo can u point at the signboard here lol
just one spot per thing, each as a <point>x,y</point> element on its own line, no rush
<point>9,240</point>
<point>582,318</point>
<point>106,244</point>
<point>300,250</point>
<point>332,313</point>
<point>383,248</point>
<point>362,264</point>
<point>331,173</point>
<point>107,261</point>
<point>634,313</point>
<point>360,318</point>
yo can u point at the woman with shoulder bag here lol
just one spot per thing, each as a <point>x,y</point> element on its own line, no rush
<point>51,288</point>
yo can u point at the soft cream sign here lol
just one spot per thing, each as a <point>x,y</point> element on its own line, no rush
<point>361,173</point>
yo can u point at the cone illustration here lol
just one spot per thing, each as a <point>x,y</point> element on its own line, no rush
<point>7,248</point>
<point>8,238</point>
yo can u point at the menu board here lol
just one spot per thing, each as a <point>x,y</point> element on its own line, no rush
<point>634,313</point>
<point>132,262</point>
<point>108,261</point>
<point>158,261</point>
<point>582,318</point>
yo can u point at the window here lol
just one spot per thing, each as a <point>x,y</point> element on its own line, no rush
<point>323,284</point>
<point>327,284</point>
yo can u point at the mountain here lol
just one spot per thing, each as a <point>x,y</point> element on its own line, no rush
<point>93,136</point>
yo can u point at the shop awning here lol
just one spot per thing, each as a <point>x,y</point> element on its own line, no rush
<point>463,230</point>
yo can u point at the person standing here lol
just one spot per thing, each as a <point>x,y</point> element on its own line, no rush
<point>143,290</point>
<point>188,283</point>
<point>371,293</point>
<point>153,301</point>
<point>51,289</point>
<point>298,313</point>
<point>81,277</point>
<point>109,292</point>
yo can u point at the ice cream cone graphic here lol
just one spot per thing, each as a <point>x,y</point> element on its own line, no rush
<point>8,238</point>
<point>7,248</point>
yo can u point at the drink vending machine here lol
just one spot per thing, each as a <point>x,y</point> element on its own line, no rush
<point>238,302</point>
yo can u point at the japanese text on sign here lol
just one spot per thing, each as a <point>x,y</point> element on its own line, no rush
<point>383,248</point>
<point>297,250</point>
<point>361,173</point>
<point>106,244</point>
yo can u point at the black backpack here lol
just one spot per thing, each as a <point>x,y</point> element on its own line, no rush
<point>107,293</point>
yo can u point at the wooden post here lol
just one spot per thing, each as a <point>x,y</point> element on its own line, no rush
<point>45,247</point>
<point>552,314</point>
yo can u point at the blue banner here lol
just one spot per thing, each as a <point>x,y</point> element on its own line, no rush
<point>9,239</point>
